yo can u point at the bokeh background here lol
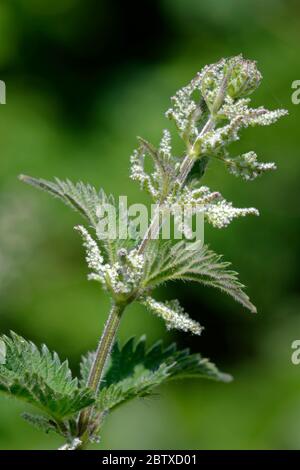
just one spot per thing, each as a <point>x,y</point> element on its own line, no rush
<point>84,77</point>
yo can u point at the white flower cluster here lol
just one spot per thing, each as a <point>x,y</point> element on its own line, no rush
<point>173,314</point>
<point>213,142</point>
<point>264,117</point>
<point>232,108</point>
<point>183,110</point>
<point>247,167</point>
<point>138,173</point>
<point>249,116</point>
<point>165,148</point>
<point>165,165</point>
<point>192,197</point>
<point>217,211</point>
<point>223,87</point>
<point>222,213</point>
<point>123,276</point>
<point>212,77</point>
<point>93,256</point>
<point>228,79</point>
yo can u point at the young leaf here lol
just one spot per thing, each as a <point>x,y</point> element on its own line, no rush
<point>176,262</point>
<point>39,378</point>
<point>83,198</point>
<point>86,200</point>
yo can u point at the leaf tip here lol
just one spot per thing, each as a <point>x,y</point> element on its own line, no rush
<point>253,309</point>
<point>226,378</point>
<point>23,178</point>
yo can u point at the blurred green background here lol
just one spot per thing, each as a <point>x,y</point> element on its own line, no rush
<point>83,78</point>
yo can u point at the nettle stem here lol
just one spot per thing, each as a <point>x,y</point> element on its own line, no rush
<point>112,324</point>
<point>96,373</point>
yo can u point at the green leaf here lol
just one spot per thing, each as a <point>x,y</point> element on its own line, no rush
<point>81,197</point>
<point>141,384</point>
<point>124,360</point>
<point>86,200</point>
<point>85,367</point>
<point>41,422</point>
<point>135,371</point>
<point>41,379</point>
<point>198,170</point>
<point>177,262</point>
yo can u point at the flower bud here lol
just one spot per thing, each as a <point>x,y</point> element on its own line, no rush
<point>244,77</point>
<point>234,77</point>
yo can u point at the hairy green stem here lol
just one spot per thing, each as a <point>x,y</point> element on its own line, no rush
<point>97,369</point>
<point>112,324</point>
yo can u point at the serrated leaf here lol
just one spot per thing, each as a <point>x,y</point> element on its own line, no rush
<point>86,200</point>
<point>135,371</point>
<point>81,197</point>
<point>176,262</point>
<point>140,385</point>
<point>41,379</point>
<point>41,422</point>
<point>85,367</point>
<point>124,360</point>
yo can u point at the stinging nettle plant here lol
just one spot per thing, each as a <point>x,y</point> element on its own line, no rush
<point>208,115</point>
